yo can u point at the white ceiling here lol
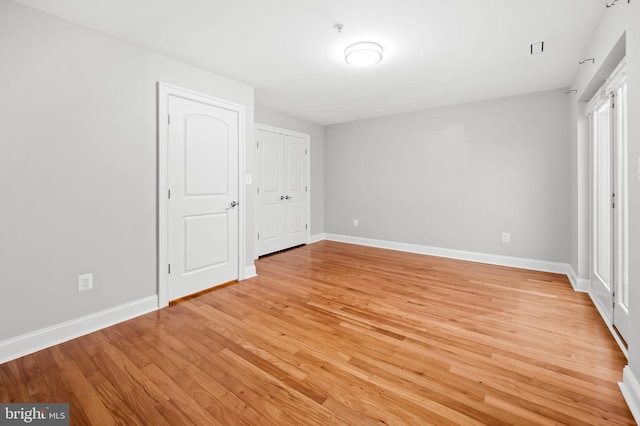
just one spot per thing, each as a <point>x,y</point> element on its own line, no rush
<point>436,52</point>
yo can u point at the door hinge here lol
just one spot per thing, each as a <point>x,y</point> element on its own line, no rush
<point>257,144</point>
<point>168,119</point>
<point>306,152</point>
<point>258,235</point>
<point>258,190</point>
<point>169,193</point>
<point>306,189</point>
<point>306,226</point>
<point>169,268</point>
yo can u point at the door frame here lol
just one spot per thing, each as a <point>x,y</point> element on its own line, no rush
<point>282,131</point>
<point>164,91</point>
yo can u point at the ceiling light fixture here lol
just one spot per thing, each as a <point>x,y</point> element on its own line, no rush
<point>363,54</point>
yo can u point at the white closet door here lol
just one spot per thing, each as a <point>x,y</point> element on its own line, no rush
<point>602,275</point>
<point>271,222</point>
<point>610,221</point>
<point>282,191</point>
<point>295,196</point>
<point>621,215</point>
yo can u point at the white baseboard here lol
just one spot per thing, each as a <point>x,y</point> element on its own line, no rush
<point>600,308</point>
<point>584,286</point>
<point>50,336</point>
<point>250,272</point>
<point>579,284</point>
<point>317,237</point>
<point>607,320</point>
<point>631,391</point>
<point>492,259</point>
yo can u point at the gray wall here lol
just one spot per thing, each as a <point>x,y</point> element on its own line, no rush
<point>573,140</point>
<point>457,177</point>
<point>264,115</point>
<point>78,167</point>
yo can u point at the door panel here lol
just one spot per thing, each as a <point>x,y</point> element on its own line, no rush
<point>271,163</point>
<point>602,220</point>
<point>294,152</point>
<point>203,247</point>
<point>296,233</point>
<point>271,192</point>
<point>295,220</point>
<point>271,225</point>
<point>206,156</point>
<point>203,182</point>
<point>621,217</point>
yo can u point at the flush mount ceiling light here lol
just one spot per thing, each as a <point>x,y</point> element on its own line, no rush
<point>363,54</point>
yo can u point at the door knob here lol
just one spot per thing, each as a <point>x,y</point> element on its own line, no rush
<point>281,197</point>
<point>287,197</point>
<point>232,205</point>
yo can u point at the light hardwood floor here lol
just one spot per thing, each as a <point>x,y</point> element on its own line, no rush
<point>333,333</point>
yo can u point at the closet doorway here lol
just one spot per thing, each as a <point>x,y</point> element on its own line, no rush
<point>283,188</point>
<point>609,212</point>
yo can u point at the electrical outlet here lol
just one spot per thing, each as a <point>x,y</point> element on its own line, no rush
<point>355,223</point>
<point>85,282</point>
<point>506,237</point>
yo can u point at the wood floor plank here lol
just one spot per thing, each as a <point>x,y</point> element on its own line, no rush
<point>92,408</point>
<point>338,334</point>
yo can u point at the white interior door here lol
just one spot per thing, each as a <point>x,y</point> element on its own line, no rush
<point>295,202</point>
<point>621,217</point>
<point>610,265</point>
<point>202,219</point>
<point>602,271</point>
<point>283,196</point>
<point>271,236</point>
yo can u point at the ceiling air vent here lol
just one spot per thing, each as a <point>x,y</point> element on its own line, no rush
<point>537,48</point>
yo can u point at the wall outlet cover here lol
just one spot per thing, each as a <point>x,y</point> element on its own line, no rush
<point>85,282</point>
